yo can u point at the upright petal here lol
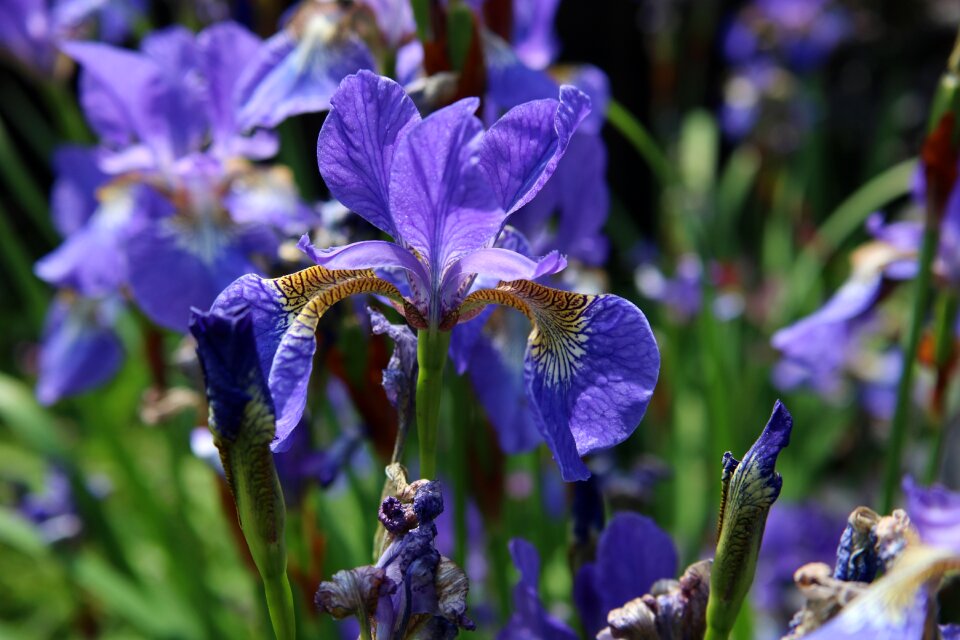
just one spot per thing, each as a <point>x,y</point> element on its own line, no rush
<point>521,150</point>
<point>120,92</point>
<point>591,366</point>
<point>441,204</point>
<point>285,313</point>
<point>578,196</point>
<point>533,34</point>
<point>299,73</point>
<point>226,49</point>
<point>369,116</point>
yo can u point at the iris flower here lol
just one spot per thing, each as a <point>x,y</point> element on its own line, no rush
<point>444,189</point>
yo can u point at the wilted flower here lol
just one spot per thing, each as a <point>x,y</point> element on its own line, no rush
<point>444,189</point>
<point>412,591</point>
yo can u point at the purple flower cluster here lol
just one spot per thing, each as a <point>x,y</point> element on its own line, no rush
<point>169,208</point>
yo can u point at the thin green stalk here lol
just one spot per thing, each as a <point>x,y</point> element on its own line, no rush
<point>457,469</point>
<point>432,345</point>
<point>63,106</point>
<point>24,189</point>
<point>280,605</point>
<point>21,272</point>
<point>947,310</point>
<point>898,427</point>
<point>638,136</point>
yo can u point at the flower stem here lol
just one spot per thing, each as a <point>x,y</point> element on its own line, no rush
<point>432,347</point>
<point>947,310</point>
<point>898,429</point>
<point>280,605</point>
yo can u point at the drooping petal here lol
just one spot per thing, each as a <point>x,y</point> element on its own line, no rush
<point>441,203</point>
<point>80,349</point>
<point>530,619</point>
<point>522,149</point>
<point>92,259</point>
<point>632,554</point>
<point>590,368</point>
<point>935,512</point>
<point>369,116</point>
<point>299,73</point>
<point>175,265</point>
<point>285,313</point>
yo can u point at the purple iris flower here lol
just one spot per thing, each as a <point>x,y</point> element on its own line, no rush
<point>299,69</point>
<point>32,31</point>
<point>632,554</point>
<point>443,189</point>
<point>530,619</point>
<point>935,512</point>
<point>168,206</point>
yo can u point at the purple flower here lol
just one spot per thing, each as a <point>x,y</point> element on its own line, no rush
<point>33,30</point>
<point>298,70</point>
<point>168,205</point>
<point>530,619</point>
<point>935,512</point>
<point>632,554</point>
<point>443,189</point>
<point>412,591</point>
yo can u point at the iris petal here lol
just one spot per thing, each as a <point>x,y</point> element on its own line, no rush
<point>369,116</point>
<point>285,313</point>
<point>590,368</point>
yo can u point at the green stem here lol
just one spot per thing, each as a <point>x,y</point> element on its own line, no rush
<point>365,631</point>
<point>947,310</point>
<point>638,136</point>
<point>280,605</point>
<point>716,634</point>
<point>432,345</point>
<point>898,428</point>
<point>23,187</point>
